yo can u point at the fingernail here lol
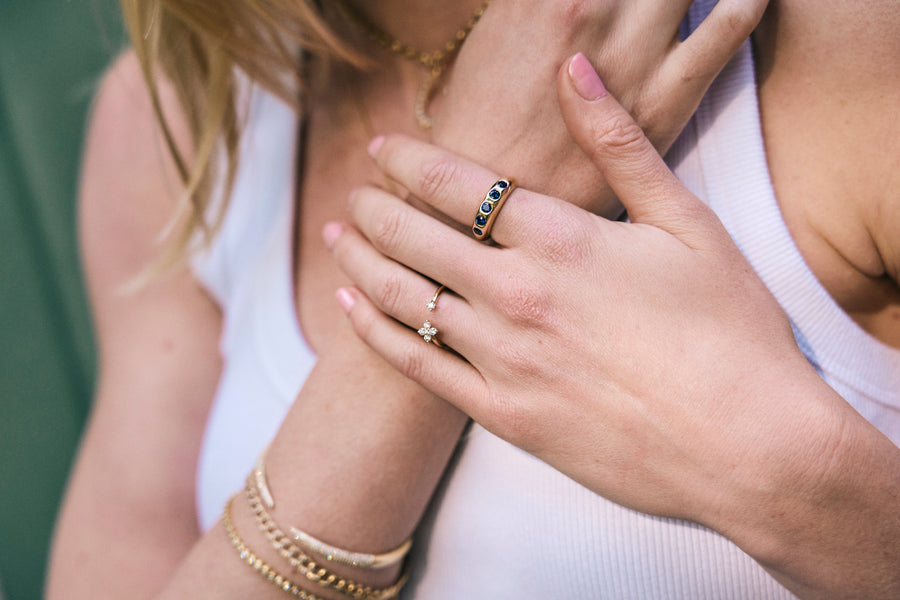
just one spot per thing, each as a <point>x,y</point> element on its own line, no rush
<point>585,79</point>
<point>345,299</point>
<point>331,232</point>
<point>375,144</point>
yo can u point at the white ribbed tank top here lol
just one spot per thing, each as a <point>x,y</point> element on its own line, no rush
<point>503,524</point>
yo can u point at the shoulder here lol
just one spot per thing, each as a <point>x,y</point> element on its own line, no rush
<point>129,185</point>
<point>128,194</point>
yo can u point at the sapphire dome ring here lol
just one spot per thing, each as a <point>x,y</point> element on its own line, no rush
<point>490,206</point>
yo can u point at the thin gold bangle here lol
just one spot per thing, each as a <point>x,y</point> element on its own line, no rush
<point>258,565</point>
<point>305,565</point>
<point>331,553</point>
<point>351,559</point>
<point>259,476</point>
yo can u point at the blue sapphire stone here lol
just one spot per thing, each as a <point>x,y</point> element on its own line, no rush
<point>481,220</point>
<point>502,185</point>
<point>494,194</point>
<point>477,231</point>
<point>487,207</point>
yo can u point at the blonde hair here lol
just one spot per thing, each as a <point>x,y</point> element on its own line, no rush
<point>198,46</point>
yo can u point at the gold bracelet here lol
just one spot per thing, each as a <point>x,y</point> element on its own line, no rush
<point>305,565</point>
<point>259,475</point>
<point>267,572</point>
<point>351,559</point>
<point>331,553</point>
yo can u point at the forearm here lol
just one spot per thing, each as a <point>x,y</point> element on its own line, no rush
<point>354,464</point>
<point>355,461</point>
<point>849,542</point>
<point>358,467</point>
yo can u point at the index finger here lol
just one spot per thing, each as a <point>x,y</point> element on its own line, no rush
<point>447,182</point>
<point>618,146</point>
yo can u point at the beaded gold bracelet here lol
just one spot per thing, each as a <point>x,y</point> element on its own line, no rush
<point>305,565</point>
<point>267,572</point>
<point>330,553</point>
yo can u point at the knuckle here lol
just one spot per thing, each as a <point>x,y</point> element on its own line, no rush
<point>698,63</point>
<point>437,176</point>
<point>388,293</point>
<point>620,134</point>
<point>564,246</point>
<point>389,228</point>
<point>740,18</point>
<point>525,303</point>
<point>564,242</point>
<point>652,112</point>
<point>410,360</point>
<point>571,15</point>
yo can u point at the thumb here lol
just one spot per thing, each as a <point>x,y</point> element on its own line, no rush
<point>618,147</point>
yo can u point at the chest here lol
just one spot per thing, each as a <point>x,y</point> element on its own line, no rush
<point>832,138</point>
<point>333,162</point>
<point>329,178</point>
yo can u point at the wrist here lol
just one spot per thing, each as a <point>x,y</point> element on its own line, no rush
<point>265,547</point>
<point>815,499</point>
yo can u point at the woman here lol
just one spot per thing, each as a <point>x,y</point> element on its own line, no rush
<point>129,522</point>
<point>647,360</point>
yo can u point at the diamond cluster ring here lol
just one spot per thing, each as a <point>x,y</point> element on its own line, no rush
<point>427,331</point>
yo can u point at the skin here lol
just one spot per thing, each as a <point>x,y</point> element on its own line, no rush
<point>661,85</point>
<point>837,189</point>
<point>826,524</point>
<point>128,525</point>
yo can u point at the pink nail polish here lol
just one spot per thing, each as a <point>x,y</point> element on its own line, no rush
<point>331,232</point>
<point>374,145</point>
<point>585,79</point>
<point>345,299</point>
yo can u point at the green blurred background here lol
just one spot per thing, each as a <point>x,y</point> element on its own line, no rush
<point>52,54</point>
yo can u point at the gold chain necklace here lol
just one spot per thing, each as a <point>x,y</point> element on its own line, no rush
<point>435,62</point>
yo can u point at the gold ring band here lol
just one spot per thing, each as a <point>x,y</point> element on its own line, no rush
<point>490,206</point>
<point>432,304</point>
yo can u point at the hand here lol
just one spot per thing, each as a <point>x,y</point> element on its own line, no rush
<point>645,360</point>
<point>499,109</point>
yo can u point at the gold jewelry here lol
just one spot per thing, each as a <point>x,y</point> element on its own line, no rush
<point>247,555</point>
<point>351,559</point>
<point>429,334</point>
<point>259,475</point>
<point>490,206</point>
<point>331,553</point>
<point>432,304</point>
<point>435,62</point>
<point>306,565</point>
